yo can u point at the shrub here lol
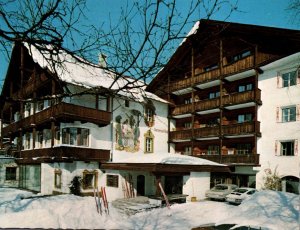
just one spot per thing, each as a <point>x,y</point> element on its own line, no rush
<point>75,186</point>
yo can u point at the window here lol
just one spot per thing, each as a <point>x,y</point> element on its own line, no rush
<point>47,137</point>
<point>243,149</point>
<point>239,56</point>
<point>213,150</point>
<point>214,95</point>
<point>149,113</point>
<point>149,142</point>
<point>127,103</point>
<point>40,138</point>
<point>89,179</point>
<point>287,148</point>
<point>11,173</point>
<point>149,145</point>
<point>244,117</point>
<point>187,150</point>
<point>289,79</point>
<point>211,67</point>
<point>40,105</point>
<point>112,181</point>
<point>27,140</point>
<point>57,178</point>
<point>289,114</point>
<point>187,125</point>
<point>245,87</point>
<point>75,136</point>
<point>27,109</point>
<point>187,101</point>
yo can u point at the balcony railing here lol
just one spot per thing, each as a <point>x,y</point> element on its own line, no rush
<point>242,97</point>
<point>61,111</point>
<point>238,66</point>
<point>251,127</point>
<point>182,109</point>
<point>243,64</point>
<point>250,159</point>
<point>61,154</point>
<point>239,129</point>
<point>228,100</point>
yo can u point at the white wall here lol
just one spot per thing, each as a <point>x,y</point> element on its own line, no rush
<point>196,185</point>
<point>159,130</point>
<point>274,96</point>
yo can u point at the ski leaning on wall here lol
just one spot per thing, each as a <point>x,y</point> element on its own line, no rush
<point>104,199</point>
<point>164,195</point>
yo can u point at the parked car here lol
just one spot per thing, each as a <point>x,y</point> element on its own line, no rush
<point>220,191</point>
<point>240,194</point>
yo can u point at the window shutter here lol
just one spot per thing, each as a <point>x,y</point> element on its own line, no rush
<point>279,80</point>
<point>298,112</point>
<point>277,114</point>
<point>296,148</point>
<point>276,148</point>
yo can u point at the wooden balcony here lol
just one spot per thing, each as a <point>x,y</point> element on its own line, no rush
<point>242,129</point>
<point>250,159</point>
<point>201,78</point>
<point>182,109</point>
<point>250,128</point>
<point>240,65</point>
<point>61,112</point>
<point>61,154</point>
<point>252,97</point>
<point>32,85</point>
<point>230,101</point>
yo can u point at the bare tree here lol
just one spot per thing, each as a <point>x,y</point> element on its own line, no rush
<point>294,10</point>
<point>137,45</point>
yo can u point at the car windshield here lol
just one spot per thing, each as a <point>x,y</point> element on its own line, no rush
<point>221,187</point>
<point>241,190</point>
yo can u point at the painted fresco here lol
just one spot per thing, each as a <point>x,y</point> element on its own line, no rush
<point>128,131</point>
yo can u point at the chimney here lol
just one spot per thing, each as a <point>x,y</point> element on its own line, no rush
<point>102,60</point>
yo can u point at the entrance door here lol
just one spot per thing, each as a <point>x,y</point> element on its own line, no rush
<point>173,184</point>
<point>141,185</point>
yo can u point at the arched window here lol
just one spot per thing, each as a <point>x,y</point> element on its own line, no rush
<point>149,142</point>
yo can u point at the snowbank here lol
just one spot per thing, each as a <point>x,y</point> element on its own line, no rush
<point>267,209</point>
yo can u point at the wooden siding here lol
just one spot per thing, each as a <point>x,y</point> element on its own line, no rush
<point>61,154</point>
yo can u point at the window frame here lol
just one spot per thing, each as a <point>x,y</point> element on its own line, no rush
<point>243,149</point>
<point>287,117</point>
<point>89,184</point>
<point>10,176</point>
<point>57,178</point>
<point>283,149</point>
<point>286,78</point>
<point>112,180</point>
<point>75,136</point>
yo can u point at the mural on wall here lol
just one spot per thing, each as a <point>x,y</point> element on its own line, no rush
<point>128,131</point>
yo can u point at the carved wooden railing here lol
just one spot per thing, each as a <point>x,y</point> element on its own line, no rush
<point>252,159</point>
<point>61,154</point>
<point>251,127</point>
<point>60,111</point>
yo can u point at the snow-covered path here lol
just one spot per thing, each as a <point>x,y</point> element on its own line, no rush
<point>268,209</point>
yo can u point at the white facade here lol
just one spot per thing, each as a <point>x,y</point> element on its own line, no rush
<point>280,119</point>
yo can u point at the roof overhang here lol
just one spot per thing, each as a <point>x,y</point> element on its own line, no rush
<point>164,168</point>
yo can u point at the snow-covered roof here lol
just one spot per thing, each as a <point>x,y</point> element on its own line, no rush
<point>90,75</point>
<point>165,158</point>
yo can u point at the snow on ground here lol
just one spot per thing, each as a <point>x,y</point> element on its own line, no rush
<point>267,209</point>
